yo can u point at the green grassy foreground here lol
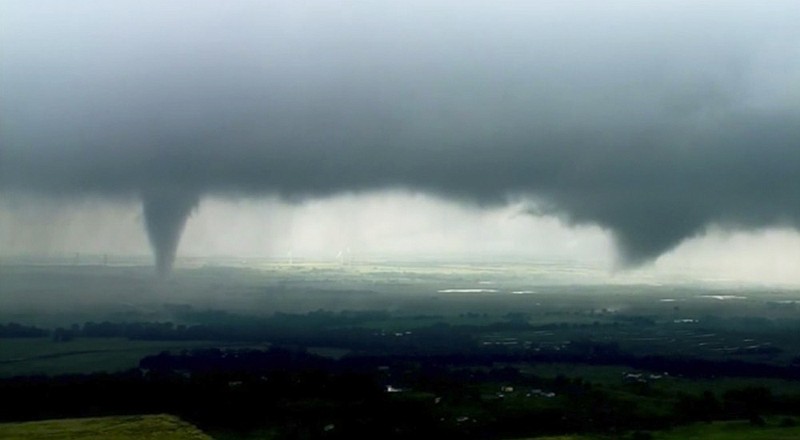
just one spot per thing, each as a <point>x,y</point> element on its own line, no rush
<point>735,430</point>
<point>739,430</point>
<point>154,427</point>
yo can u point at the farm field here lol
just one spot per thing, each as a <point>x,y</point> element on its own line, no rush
<point>32,356</point>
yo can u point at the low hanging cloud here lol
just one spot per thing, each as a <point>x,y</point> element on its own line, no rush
<point>652,121</point>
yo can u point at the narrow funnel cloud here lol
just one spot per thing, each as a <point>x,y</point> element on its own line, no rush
<point>165,215</point>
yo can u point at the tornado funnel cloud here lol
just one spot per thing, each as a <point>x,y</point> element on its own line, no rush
<point>165,216</point>
<point>638,122</point>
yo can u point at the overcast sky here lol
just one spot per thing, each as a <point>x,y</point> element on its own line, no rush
<point>605,131</point>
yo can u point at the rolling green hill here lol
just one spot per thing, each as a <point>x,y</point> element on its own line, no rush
<point>155,427</point>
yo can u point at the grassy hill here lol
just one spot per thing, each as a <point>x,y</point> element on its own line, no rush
<point>155,427</point>
<point>735,430</point>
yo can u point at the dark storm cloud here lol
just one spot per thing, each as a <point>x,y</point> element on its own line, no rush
<point>652,121</point>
